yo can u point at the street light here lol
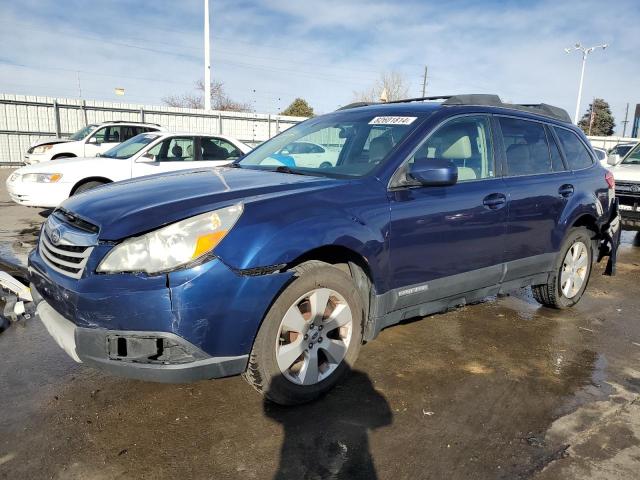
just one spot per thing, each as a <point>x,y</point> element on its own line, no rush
<point>585,51</point>
<point>207,59</point>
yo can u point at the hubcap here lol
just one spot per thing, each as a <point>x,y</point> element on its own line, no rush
<point>314,336</point>
<point>574,269</point>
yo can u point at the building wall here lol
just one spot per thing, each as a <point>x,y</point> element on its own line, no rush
<point>24,119</point>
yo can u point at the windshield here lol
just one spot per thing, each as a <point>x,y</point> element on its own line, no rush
<point>634,157</point>
<point>130,147</point>
<point>343,144</point>
<point>83,132</point>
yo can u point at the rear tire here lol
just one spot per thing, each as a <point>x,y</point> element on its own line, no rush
<point>318,316</point>
<point>570,277</point>
<point>87,186</point>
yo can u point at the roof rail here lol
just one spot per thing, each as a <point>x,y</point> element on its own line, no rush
<point>482,99</point>
<point>404,100</point>
<point>131,121</point>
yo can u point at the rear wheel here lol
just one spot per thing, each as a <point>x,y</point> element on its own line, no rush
<point>309,338</point>
<point>87,186</point>
<point>568,281</point>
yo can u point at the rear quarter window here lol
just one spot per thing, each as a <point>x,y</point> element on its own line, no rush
<point>575,152</point>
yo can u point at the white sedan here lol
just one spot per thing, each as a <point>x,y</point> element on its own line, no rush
<point>47,185</point>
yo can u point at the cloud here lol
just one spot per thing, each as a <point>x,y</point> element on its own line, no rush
<point>269,52</point>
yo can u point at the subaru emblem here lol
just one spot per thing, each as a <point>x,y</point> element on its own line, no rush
<point>55,236</point>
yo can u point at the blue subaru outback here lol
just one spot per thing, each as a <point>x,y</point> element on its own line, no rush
<point>280,270</point>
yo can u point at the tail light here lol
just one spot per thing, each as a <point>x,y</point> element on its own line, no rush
<point>610,180</point>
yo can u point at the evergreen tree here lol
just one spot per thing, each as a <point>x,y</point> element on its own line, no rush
<point>598,121</point>
<point>298,108</point>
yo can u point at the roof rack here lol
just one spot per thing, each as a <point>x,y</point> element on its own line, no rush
<point>131,121</point>
<point>482,99</point>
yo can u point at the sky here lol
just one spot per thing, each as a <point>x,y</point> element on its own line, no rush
<point>267,52</point>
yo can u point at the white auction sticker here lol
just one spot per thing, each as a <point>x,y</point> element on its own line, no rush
<point>392,120</point>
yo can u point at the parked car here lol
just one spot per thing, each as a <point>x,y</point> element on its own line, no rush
<point>48,185</point>
<point>622,148</point>
<point>307,154</point>
<point>601,155</point>
<point>280,272</point>
<point>88,141</point>
<point>627,172</point>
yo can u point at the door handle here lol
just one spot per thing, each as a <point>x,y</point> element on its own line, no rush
<point>495,201</point>
<point>566,190</point>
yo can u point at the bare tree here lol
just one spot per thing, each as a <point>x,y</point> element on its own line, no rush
<point>219,99</point>
<point>394,84</point>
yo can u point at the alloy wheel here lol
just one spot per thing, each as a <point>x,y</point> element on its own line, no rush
<point>574,269</point>
<point>314,336</point>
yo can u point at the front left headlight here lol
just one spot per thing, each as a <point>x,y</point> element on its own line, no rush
<point>173,246</point>
<point>42,148</point>
<point>42,177</point>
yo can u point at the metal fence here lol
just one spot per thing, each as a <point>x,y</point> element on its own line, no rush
<point>24,119</point>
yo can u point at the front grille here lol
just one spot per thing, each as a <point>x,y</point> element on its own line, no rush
<point>628,188</point>
<point>68,260</point>
<point>629,201</point>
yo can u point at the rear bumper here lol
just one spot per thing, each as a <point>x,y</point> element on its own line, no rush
<point>100,348</point>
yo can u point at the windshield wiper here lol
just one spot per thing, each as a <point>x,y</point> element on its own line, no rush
<point>285,169</point>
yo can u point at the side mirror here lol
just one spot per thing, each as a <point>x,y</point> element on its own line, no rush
<point>434,172</point>
<point>93,141</point>
<point>147,158</point>
<point>614,159</point>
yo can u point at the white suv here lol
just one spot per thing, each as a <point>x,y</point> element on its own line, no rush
<point>88,141</point>
<point>47,185</point>
<point>626,171</point>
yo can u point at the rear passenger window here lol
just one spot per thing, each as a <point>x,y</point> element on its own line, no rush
<point>575,152</point>
<point>526,147</point>
<point>465,141</point>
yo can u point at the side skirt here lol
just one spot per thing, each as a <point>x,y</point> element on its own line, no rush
<point>388,309</point>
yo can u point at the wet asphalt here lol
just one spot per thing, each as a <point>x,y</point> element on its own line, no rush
<point>504,389</point>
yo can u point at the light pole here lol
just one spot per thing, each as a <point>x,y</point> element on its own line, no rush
<point>207,59</point>
<point>585,51</point>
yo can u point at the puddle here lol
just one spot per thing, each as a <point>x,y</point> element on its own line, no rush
<point>15,246</point>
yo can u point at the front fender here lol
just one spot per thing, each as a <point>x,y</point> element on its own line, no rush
<point>277,231</point>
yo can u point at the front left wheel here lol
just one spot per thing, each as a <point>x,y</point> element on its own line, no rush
<point>310,337</point>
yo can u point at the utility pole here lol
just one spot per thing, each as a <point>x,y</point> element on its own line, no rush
<point>207,59</point>
<point>424,82</point>
<point>80,88</point>
<point>592,117</point>
<point>585,52</point>
<point>626,120</point>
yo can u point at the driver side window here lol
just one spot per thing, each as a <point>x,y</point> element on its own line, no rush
<point>109,134</point>
<point>464,141</point>
<point>175,149</point>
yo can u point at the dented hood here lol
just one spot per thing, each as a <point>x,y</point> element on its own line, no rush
<point>124,209</point>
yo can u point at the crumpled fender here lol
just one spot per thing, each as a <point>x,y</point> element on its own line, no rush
<point>276,232</point>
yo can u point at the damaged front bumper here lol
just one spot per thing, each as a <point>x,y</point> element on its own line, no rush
<point>184,326</point>
<point>150,356</point>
